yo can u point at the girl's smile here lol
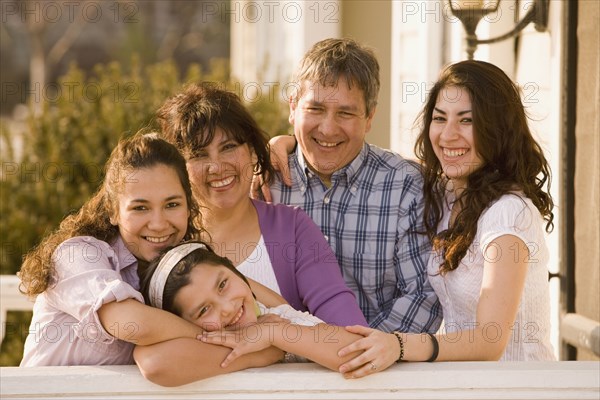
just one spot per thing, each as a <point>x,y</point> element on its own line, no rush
<point>215,299</point>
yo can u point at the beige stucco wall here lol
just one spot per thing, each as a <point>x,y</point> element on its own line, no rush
<point>370,22</point>
<point>587,166</point>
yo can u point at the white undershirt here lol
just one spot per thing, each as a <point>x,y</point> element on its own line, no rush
<point>258,267</point>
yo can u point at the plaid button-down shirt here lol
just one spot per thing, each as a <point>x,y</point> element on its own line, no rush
<point>370,216</point>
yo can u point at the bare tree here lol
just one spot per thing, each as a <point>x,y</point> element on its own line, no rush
<point>32,19</point>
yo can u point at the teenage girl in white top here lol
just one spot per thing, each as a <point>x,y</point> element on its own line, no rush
<point>487,201</point>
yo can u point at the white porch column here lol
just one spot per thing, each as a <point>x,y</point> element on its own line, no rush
<point>417,33</point>
<point>268,38</point>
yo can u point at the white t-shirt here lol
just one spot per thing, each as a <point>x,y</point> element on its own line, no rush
<point>257,266</point>
<point>459,290</point>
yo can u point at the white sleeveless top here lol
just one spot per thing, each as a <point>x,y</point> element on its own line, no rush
<point>257,266</point>
<point>459,290</point>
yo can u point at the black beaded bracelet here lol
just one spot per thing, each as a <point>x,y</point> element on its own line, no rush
<point>436,348</point>
<point>399,337</point>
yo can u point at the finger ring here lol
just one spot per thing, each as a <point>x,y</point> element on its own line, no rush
<point>373,366</point>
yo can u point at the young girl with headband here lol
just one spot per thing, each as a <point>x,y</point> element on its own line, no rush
<point>206,289</point>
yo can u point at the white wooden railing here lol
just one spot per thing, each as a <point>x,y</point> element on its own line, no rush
<point>452,380</point>
<point>11,299</point>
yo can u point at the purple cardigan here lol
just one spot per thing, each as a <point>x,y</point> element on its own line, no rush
<point>306,269</point>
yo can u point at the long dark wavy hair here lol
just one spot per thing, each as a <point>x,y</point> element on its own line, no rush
<point>93,218</point>
<point>512,160</point>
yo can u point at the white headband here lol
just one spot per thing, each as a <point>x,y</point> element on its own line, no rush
<point>164,268</point>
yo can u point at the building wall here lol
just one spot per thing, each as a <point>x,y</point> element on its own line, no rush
<point>587,166</point>
<point>269,38</point>
<point>370,22</point>
<point>538,71</point>
<point>417,56</point>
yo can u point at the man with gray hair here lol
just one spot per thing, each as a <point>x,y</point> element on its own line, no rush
<point>367,201</point>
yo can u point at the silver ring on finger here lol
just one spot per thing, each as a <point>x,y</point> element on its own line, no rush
<point>373,366</point>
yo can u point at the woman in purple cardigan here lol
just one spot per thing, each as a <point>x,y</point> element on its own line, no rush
<point>276,245</point>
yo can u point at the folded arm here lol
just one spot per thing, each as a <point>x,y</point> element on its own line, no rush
<point>140,324</point>
<point>181,361</point>
<point>319,343</point>
<point>501,292</point>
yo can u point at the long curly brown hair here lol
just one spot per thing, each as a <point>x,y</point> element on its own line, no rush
<point>511,158</point>
<point>93,218</point>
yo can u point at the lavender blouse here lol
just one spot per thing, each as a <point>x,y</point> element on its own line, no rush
<point>65,329</point>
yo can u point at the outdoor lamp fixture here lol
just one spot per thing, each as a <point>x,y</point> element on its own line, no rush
<point>470,12</point>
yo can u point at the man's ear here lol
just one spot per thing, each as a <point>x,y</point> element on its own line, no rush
<point>293,105</point>
<point>370,119</point>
